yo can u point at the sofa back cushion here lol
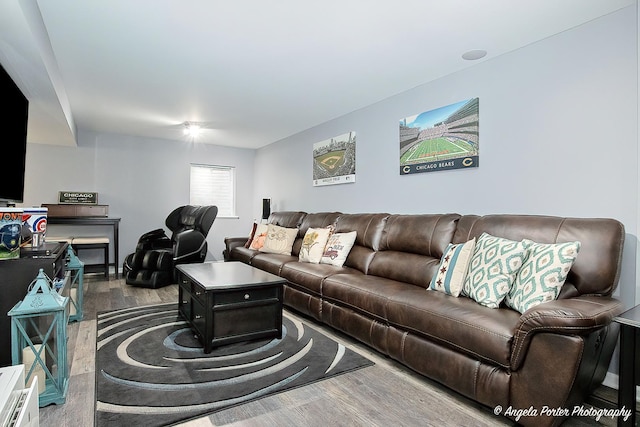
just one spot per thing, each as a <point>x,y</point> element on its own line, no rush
<point>287,219</point>
<point>368,228</point>
<point>317,220</point>
<point>596,269</point>
<point>411,247</point>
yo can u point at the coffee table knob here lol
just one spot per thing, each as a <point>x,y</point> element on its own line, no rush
<point>246,296</point>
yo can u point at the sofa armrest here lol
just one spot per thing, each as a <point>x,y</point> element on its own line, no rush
<point>572,316</point>
<point>232,242</point>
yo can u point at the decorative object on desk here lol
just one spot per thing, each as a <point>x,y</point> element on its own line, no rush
<point>34,221</point>
<point>76,285</point>
<point>77,197</point>
<point>10,232</point>
<point>165,377</point>
<point>39,337</point>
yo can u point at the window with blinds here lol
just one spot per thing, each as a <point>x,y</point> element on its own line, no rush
<point>214,185</point>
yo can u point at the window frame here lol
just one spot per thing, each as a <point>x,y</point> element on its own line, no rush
<point>211,167</point>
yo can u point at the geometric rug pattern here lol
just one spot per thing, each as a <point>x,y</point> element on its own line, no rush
<point>152,371</point>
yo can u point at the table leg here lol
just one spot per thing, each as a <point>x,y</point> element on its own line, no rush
<point>627,374</point>
<point>115,248</point>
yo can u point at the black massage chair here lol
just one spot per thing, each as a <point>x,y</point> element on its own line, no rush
<point>153,263</point>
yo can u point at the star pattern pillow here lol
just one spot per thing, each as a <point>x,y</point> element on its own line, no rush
<point>494,266</point>
<point>542,274</point>
<point>453,268</point>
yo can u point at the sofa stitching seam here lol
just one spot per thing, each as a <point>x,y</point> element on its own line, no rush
<point>472,325</point>
<point>465,349</point>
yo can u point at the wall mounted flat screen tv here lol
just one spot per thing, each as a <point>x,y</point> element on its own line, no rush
<point>13,139</point>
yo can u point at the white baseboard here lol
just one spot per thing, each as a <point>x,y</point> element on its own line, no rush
<point>611,380</point>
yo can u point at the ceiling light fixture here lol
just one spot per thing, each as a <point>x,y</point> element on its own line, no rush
<point>473,55</point>
<point>192,129</point>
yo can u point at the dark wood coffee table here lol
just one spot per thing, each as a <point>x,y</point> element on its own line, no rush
<point>228,302</point>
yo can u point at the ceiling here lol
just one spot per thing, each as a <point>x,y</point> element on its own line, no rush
<point>250,71</point>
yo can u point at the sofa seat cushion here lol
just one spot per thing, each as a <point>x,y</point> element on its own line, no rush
<point>310,276</point>
<point>459,323</point>
<point>366,294</point>
<point>272,262</point>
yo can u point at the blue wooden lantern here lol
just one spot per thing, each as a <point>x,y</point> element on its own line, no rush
<point>76,285</point>
<point>39,338</point>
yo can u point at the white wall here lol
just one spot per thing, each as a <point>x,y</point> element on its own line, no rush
<point>558,136</point>
<point>142,181</point>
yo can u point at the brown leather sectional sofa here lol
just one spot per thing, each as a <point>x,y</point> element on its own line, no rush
<point>552,355</point>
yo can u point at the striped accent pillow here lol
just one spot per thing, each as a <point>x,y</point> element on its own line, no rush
<point>453,268</point>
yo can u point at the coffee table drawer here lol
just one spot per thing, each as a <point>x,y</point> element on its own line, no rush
<point>247,295</point>
<point>246,322</point>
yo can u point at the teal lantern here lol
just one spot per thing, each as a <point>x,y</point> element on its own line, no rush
<point>39,337</point>
<point>76,286</point>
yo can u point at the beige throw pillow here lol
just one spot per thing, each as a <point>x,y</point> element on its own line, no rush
<point>338,247</point>
<point>279,240</point>
<point>313,244</point>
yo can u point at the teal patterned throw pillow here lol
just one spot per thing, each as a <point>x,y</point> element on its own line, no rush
<point>542,274</point>
<point>494,266</point>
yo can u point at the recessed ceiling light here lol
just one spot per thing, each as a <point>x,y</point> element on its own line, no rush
<point>472,55</point>
<point>192,129</point>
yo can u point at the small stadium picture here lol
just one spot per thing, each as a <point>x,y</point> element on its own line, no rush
<point>440,139</point>
<point>334,160</point>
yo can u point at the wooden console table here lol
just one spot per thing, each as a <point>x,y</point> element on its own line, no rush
<point>93,220</point>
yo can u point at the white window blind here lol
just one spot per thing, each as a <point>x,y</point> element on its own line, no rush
<point>214,185</point>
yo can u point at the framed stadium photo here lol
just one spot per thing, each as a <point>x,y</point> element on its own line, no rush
<point>440,139</point>
<point>334,160</point>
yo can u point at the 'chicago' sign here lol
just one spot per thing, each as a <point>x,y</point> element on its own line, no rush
<point>78,197</point>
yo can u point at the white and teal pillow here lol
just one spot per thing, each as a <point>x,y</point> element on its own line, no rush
<point>453,268</point>
<point>493,269</point>
<point>542,274</point>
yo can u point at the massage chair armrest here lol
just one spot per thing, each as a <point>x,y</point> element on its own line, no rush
<point>189,245</point>
<point>154,239</point>
<point>572,316</point>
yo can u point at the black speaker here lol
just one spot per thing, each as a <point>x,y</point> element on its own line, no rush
<point>266,208</point>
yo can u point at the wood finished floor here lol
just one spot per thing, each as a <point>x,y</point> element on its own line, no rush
<point>386,394</point>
